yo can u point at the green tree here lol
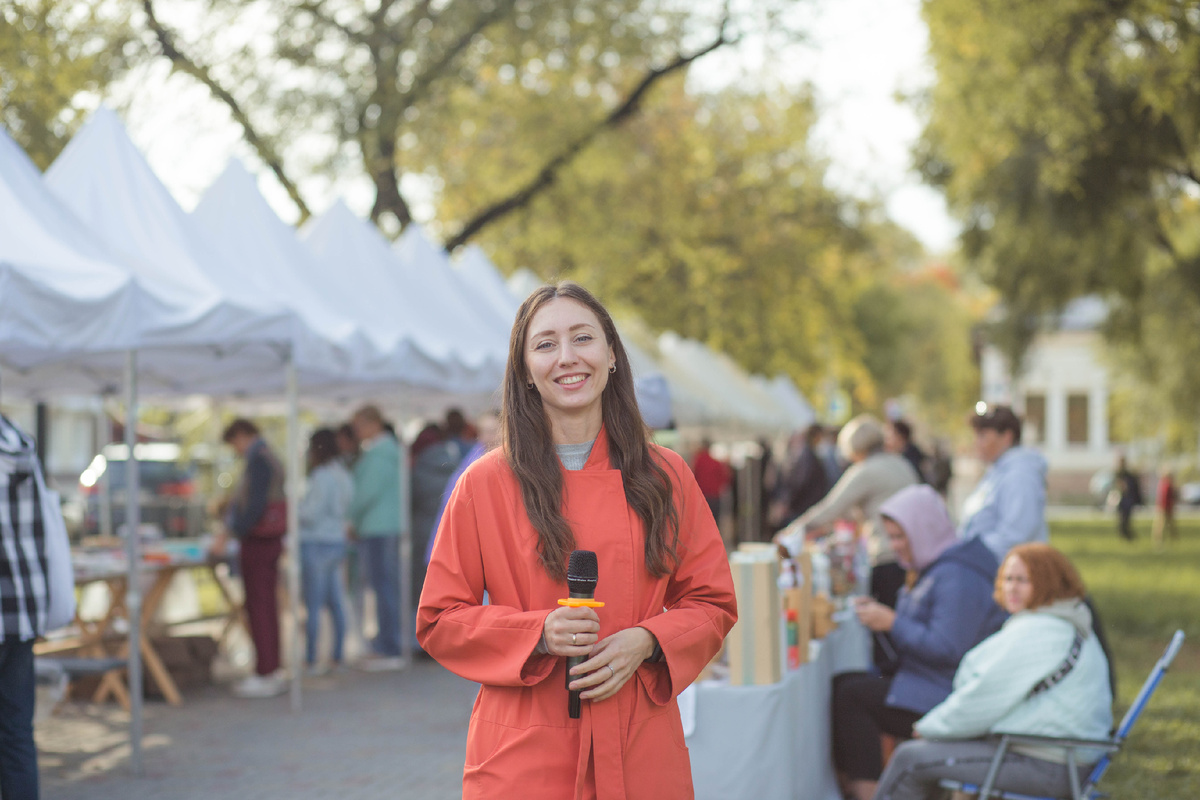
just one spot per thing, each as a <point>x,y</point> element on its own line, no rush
<point>359,83</point>
<point>710,216</point>
<point>1065,136</point>
<point>54,55</point>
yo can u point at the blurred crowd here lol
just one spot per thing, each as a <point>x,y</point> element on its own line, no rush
<point>350,522</point>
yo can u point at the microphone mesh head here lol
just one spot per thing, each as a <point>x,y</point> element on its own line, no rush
<point>582,571</point>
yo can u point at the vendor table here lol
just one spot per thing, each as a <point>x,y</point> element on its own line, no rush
<point>94,635</point>
<point>772,742</point>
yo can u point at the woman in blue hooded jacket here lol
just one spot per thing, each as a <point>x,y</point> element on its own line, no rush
<point>945,610</point>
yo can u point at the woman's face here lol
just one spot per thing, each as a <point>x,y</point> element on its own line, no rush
<point>1015,585</point>
<point>567,358</point>
<point>899,542</point>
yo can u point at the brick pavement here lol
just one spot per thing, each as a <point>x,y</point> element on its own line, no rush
<point>358,736</point>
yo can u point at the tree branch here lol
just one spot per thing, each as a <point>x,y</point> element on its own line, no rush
<point>379,143</point>
<point>422,82</point>
<point>548,174</point>
<point>260,144</point>
<point>318,13</point>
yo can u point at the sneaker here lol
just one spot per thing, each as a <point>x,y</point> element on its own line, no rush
<point>316,671</point>
<point>260,686</point>
<point>378,663</point>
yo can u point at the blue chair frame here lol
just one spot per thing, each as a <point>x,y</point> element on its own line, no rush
<point>1110,746</point>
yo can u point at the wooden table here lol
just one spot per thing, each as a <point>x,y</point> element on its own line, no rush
<point>95,635</point>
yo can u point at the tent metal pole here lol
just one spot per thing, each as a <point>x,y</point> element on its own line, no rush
<point>407,612</point>
<point>133,590</point>
<point>292,487</point>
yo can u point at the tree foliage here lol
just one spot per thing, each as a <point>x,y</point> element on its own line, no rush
<point>565,137</point>
<point>53,54</point>
<point>357,81</point>
<point>709,215</point>
<point>1066,136</point>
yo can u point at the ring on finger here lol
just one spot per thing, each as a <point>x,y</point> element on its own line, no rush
<point>573,638</point>
<point>612,672</point>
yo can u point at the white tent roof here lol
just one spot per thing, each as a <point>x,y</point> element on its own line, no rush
<point>795,405</point>
<point>60,291</point>
<point>358,255</point>
<point>228,339</point>
<point>262,250</point>
<point>733,398</point>
<point>482,277</point>
<point>425,268</point>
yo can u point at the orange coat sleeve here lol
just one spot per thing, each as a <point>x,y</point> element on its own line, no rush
<point>700,603</point>
<point>489,644</point>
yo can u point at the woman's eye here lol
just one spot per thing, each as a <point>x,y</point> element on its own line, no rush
<point>543,345</point>
<point>583,338</point>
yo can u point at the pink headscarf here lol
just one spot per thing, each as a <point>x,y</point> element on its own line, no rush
<point>919,510</point>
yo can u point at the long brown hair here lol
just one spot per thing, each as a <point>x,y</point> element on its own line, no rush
<point>529,446</point>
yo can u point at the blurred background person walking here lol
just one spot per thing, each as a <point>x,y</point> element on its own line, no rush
<point>375,524</point>
<point>1008,505</point>
<point>1125,496</point>
<point>803,481</point>
<point>323,514</point>
<point>257,516</point>
<point>713,476</point>
<point>1165,497</point>
<point>898,439</point>
<point>488,429</point>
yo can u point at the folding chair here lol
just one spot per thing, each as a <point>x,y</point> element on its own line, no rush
<point>1110,746</point>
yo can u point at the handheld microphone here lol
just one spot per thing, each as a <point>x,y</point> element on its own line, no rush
<point>582,575</point>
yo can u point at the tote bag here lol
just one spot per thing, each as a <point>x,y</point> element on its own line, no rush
<point>60,574</point>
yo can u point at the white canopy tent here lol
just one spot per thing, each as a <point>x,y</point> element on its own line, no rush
<point>62,292</point>
<point>427,269</point>
<point>237,339</point>
<point>735,400</point>
<point>260,251</point>
<point>354,253</point>
<point>795,405</point>
<point>480,276</point>
<point>256,241</point>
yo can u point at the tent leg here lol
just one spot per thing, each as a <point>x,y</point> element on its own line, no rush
<point>133,592</point>
<point>407,612</point>
<point>294,466</point>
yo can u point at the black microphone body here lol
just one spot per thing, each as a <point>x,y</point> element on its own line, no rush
<point>581,581</point>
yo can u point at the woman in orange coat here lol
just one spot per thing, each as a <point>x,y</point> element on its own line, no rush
<point>576,471</point>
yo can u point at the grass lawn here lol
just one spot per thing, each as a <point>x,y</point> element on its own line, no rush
<point>1143,596</point>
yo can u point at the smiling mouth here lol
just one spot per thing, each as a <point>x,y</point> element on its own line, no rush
<point>571,380</point>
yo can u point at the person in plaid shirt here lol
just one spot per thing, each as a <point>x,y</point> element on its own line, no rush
<point>24,599</point>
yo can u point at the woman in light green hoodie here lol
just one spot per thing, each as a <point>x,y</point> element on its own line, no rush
<point>1016,681</point>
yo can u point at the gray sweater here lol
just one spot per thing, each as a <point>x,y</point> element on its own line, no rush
<point>326,504</point>
<point>858,494</point>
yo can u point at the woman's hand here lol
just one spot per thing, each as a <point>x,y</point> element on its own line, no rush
<point>613,662</point>
<point>571,631</point>
<point>874,615</point>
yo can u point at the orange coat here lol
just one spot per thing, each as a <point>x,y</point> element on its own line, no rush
<point>521,742</point>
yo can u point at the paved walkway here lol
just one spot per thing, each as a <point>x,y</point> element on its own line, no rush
<point>358,736</point>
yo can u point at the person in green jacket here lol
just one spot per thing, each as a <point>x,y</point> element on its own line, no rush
<point>375,524</point>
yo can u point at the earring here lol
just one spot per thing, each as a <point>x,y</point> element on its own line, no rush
<point>529,385</point>
<point>612,369</point>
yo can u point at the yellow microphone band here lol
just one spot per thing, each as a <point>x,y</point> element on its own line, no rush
<point>580,602</point>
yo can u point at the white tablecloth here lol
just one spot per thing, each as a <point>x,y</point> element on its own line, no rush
<point>771,742</point>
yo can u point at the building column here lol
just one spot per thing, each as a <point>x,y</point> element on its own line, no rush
<point>1098,419</point>
<point>1056,418</point>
